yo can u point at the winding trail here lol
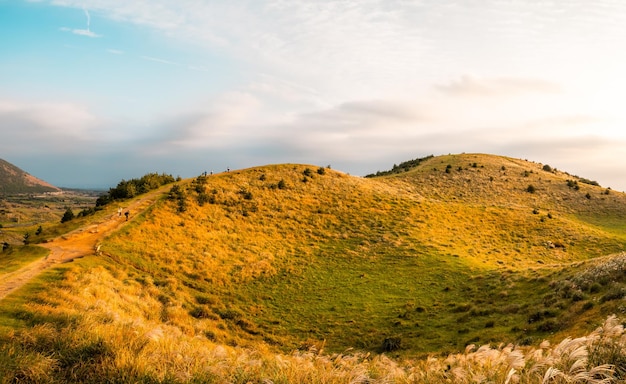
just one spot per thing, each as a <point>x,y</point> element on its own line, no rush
<point>78,243</point>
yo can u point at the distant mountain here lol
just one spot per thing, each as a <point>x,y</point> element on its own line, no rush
<point>13,180</point>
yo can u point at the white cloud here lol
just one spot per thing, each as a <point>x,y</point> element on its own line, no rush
<point>158,60</point>
<point>83,32</point>
<point>48,127</point>
<point>80,32</point>
<point>469,85</point>
<point>387,78</point>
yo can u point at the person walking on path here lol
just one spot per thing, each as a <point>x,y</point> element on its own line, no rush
<point>126,214</point>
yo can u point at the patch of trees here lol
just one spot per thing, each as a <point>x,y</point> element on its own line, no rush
<point>402,167</point>
<point>587,181</point>
<point>127,189</point>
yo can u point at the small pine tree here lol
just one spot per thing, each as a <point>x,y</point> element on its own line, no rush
<point>282,184</point>
<point>68,215</point>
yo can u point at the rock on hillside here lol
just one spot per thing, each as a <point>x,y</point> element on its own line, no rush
<point>13,180</point>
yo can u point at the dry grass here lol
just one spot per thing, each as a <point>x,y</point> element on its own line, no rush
<point>104,328</point>
<point>215,291</point>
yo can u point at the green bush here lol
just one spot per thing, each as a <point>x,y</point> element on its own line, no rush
<point>68,215</point>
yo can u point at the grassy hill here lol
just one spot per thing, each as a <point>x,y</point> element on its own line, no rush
<point>458,250</point>
<point>13,181</point>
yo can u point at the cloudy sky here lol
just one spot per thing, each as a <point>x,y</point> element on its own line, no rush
<point>95,91</point>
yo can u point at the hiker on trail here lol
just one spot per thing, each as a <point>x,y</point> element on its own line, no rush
<point>119,212</point>
<point>126,214</point>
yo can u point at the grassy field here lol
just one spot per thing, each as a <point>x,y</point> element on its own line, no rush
<point>271,265</point>
<point>346,262</point>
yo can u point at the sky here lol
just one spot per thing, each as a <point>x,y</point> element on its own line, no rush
<point>96,91</point>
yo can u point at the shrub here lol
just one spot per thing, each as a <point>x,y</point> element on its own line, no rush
<point>531,188</point>
<point>398,168</point>
<point>321,171</point>
<point>230,314</point>
<point>204,198</point>
<point>548,326</point>
<point>308,172</point>
<point>247,195</point>
<point>540,315</point>
<point>595,288</point>
<point>391,344</point>
<point>201,312</point>
<point>281,184</point>
<point>616,292</point>
<point>573,184</point>
<point>175,192</point>
<point>547,168</point>
<point>68,215</point>
<point>590,182</point>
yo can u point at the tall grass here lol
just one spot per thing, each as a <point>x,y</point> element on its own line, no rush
<point>279,275</point>
<point>104,328</point>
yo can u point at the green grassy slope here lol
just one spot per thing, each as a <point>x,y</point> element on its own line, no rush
<point>286,257</point>
<point>434,259</point>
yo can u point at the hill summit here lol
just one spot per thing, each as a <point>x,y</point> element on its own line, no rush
<point>14,180</point>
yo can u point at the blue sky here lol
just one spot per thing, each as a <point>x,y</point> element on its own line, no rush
<point>95,91</point>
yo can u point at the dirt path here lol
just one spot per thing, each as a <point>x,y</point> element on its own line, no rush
<point>78,243</point>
